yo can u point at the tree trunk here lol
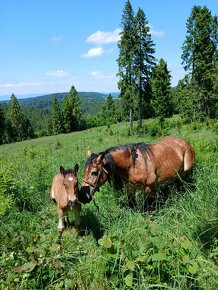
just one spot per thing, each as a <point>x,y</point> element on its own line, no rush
<point>130,121</point>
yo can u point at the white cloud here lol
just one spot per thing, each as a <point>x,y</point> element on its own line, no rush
<point>93,52</point>
<point>58,74</point>
<point>57,38</point>
<point>22,84</point>
<point>104,37</point>
<point>100,75</point>
<point>156,32</point>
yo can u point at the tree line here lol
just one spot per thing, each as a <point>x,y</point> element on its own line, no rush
<point>18,123</point>
<point>144,83</point>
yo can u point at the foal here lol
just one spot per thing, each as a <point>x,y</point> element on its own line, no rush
<point>64,191</point>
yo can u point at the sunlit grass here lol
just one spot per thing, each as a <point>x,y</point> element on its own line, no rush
<point>116,248</point>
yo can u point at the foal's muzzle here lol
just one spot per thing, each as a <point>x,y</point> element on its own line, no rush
<point>72,204</point>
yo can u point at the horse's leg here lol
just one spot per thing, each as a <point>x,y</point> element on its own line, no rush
<point>131,195</point>
<point>60,222</point>
<point>149,198</point>
<point>77,215</point>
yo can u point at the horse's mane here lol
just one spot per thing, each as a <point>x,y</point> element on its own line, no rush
<point>129,151</point>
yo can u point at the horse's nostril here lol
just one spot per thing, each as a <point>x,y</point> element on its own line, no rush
<point>84,195</point>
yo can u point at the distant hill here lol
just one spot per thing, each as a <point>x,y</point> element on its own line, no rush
<point>91,102</point>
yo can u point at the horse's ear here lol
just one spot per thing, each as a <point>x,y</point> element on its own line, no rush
<point>76,168</point>
<point>89,153</point>
<point>62,170</point>
<point>100,158</point>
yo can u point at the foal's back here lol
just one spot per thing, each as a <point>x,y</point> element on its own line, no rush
<point>57,192</point>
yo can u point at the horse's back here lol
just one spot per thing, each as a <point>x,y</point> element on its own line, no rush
<point>171,156</point>
<point>183,149</point>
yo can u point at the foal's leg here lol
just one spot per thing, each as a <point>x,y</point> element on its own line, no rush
<point>77,210</point>
<point>66,221</point>
<point>60,222</point>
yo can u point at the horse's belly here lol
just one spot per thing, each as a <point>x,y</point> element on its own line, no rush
<point>167,174</point>
<point>142,177</point>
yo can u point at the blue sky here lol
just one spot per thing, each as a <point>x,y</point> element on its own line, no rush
<point>46,46</point>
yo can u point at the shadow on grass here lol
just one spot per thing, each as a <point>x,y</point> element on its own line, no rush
<point>208,234</point>
<point>90,224</point>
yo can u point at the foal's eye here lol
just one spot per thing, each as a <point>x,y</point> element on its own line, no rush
<point>94,173</point>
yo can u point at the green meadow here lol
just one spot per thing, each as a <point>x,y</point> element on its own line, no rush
<point>175,247</point>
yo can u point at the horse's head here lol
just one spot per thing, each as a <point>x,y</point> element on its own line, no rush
<point>70,183</point>
<point>95,175</point>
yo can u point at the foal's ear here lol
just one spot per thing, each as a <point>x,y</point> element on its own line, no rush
<point>62,170</point>
<point>89,153</point>
<point>76,168</point>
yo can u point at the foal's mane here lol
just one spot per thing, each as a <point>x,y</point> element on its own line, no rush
<point>69,171</point>
<point>129,151</point>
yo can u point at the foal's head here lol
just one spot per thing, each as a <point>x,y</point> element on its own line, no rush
<point>95,175</point>
<point>70,183</point>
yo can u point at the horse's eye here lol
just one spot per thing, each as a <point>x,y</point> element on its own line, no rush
<point>94,173</point>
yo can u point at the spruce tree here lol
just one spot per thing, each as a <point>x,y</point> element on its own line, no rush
<point>198,57</point>
<point>143,63</point>
<point>18,125</point>
<point>56,123</point>
<point>109,110</point>
<point>185,100</point>
<point>72,111</point>
<point>125,62</point>
<point>160,85</point>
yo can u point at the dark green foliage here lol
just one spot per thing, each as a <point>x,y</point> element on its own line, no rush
<point>185,100</point>
<point>71,111</point>
<point>161,95</point>
<point>18,125</point>
<point>109,110</point>
<point>2,125</point>
<point>45,102</point>
<point>200,57</point>
<point>56,120</point>
<point>125,62</point>
<point>135,63</point>
<point>144,61</point>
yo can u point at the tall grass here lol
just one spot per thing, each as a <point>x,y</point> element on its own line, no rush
<point>176,247</point>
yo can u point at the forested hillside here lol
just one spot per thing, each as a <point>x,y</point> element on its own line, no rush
<point>45,102</point>
<point>38,110</point>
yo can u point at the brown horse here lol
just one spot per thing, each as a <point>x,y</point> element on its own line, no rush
<point>64,191</point>
<point>147,165</point>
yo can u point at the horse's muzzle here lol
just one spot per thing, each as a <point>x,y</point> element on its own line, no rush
<point>84,195</point>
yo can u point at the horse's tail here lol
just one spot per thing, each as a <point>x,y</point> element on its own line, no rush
<point>189,158</point>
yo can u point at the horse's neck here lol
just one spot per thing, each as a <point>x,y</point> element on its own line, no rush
<point>121,160</point>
